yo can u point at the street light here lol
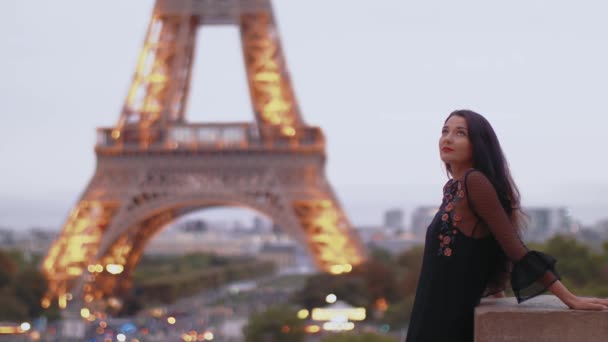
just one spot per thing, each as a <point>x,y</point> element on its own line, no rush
<point>25,326</point>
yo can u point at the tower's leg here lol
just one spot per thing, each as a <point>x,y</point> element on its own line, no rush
<point>69,256</point>
<point>269,84</point>
<point>160,86</point>
<point>334,245</point>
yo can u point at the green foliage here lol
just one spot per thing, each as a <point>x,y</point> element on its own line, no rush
<point>381,255</point>
<point>5,278</point>
<point>163,280</point>
<point>358,337</point>
<point>276,324</point>
<point>150,266</point>
<point>131,305</point>
<point>605,249</point>
<point>22,286</point>
<point>410,264</point>
<point>159,266</point>
<point>383,276</point>
<point>398,314</point>
<point>286,281</point>
<point>350,289</point>
<point>580,267</point>
<point>584,270</point>
<point>8,268</point>
<point>31,287</point>
<point>21,259</point>
<point>575,261</point>
<point>11,308</point>
<point>379,278</point>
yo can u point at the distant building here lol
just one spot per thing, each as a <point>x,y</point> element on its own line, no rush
<point>545,222</point>
<point>371,233</point>
<point>392,241</point>
<point>213,242</point>
<point>34,240</point>
<point>7,237</point>
<point>283,256</point>
<point>602,228</point>
<point>421,219</point>
<point>590,237</point>
<point>393,219</point>
<point>261,225</point>
<point>198,236</point>
<point>193,226</point>
<point>394,246</point>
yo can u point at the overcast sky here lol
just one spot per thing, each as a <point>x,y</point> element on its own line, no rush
<point>379,77</point>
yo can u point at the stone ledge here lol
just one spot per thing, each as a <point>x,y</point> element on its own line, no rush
<point>541,319</point>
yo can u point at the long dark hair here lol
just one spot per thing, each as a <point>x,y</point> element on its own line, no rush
<point>489,158</point>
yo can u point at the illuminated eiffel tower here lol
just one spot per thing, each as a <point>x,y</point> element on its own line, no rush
<point>154,166</point>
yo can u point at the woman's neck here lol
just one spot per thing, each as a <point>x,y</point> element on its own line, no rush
<point>458,171</point>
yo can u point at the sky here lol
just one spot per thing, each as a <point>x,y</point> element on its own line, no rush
<point>378,77</point>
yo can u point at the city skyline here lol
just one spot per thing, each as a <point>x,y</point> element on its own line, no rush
<point>379,91</point>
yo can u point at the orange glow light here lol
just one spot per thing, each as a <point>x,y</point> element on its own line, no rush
<point>63,303</point>
<point>312,329</point>
<point>74,271</point>
<point>9,330</point>
<point>288,131</point>
<point>381,304</point>
<point>85,312</point>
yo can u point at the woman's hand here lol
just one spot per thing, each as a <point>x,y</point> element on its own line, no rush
<point>575,302</point>
<point>586,303</point>
<point>500,294</point>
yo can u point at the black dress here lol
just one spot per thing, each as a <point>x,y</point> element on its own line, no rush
<point>469,243</point>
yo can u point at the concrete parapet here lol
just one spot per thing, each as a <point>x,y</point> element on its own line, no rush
<point>541,319</point>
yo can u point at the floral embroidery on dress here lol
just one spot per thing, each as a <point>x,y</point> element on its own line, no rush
<point>453,192</point>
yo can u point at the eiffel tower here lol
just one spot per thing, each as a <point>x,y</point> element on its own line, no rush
<point>154,166</point>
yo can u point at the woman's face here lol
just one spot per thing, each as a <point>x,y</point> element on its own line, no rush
<point>454,145</point>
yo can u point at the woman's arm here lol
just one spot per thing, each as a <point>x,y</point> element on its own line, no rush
<point>573,302</point>
<point>533,271</point>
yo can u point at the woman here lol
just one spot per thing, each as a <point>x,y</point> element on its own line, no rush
<point>473,244</point>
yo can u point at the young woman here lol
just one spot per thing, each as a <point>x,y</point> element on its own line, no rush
<point>473,244</point>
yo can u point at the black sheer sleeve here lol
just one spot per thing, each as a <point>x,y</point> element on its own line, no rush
<point>532,272</point>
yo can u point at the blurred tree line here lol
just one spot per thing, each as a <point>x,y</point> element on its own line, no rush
<point>392,279</point>
<point>584,270</point>
<point>165,279</point>
<point>167,288</point>
<point>22,286</point>
<point>385,285</point>
<point>156,280</point>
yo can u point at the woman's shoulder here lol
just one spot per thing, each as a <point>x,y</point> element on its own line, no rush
<point>475,179</point>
